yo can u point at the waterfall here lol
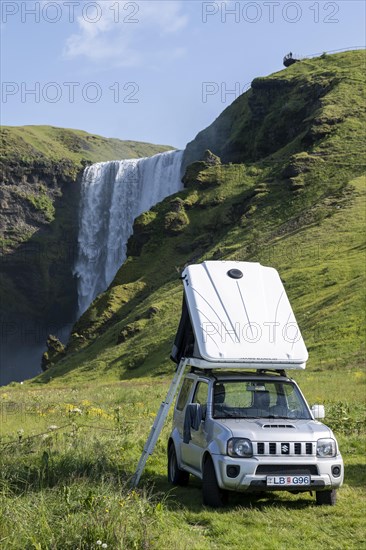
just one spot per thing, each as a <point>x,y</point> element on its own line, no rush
<point>113,194</point>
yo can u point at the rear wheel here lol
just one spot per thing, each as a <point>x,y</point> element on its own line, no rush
<point>212,494</point>
<point>176,476</point>
<point>326,498</point>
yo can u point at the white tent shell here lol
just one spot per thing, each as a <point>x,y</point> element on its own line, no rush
<point>237,315</point>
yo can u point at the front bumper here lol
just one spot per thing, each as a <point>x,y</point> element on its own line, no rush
<point>248,479</point>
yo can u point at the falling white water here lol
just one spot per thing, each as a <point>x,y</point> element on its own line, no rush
<point>113,194</point>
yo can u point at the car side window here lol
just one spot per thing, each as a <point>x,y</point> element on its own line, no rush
<point>184,394</point>
<point>293,401</point>
<point>201,393</point>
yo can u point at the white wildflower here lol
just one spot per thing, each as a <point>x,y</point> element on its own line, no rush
<point>76,410</point>
<point>52,428</point>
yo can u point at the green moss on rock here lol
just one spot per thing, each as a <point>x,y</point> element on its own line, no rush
<point>175,222</point>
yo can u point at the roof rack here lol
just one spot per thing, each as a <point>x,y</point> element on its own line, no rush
<point>279,372</point>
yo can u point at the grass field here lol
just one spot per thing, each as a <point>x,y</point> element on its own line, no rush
<point>68,453</point>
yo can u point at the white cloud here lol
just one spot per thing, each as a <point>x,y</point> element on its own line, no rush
<point>125,34</point>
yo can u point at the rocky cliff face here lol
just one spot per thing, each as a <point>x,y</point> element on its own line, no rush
<point>38,228</point>
<point>277,112</point>
<point>28,193</point>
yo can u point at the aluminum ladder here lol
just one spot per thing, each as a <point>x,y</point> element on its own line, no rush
<point>159,421</point>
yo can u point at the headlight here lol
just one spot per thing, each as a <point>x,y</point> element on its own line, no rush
<point>326,448</point>
<point>240,447</point>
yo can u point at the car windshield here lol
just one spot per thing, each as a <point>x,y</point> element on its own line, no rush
<point>258,399</point>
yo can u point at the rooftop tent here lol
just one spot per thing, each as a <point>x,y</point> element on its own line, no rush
<point>237,314</point>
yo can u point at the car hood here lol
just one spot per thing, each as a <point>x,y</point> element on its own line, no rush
<point>260,429</point>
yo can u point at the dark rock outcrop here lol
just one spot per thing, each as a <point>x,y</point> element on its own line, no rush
<point>55,350</point>
<point>192,176</point>
<point>38,241</point>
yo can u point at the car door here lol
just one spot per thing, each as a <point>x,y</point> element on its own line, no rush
<point>192,452</point>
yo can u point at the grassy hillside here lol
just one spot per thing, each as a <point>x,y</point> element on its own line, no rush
<point>37,143</point>
<point>289,111</point>
<point>301,212</point>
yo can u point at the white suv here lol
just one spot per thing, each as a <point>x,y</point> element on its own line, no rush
<point>243,431</point>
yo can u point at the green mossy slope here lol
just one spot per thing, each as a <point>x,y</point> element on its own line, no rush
<point>300,209</point>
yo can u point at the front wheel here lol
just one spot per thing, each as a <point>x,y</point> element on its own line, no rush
<point>176,476</point>
<point>213,496</point>
<point>326,498</point>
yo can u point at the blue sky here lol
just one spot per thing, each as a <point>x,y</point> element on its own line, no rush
<point>157,71</point>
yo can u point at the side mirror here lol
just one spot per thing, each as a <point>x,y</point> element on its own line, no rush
<point>196,413</point>
<point>192,420</point>
<point>318,411</point>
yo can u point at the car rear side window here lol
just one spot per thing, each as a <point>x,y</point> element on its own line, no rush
<point>184,394</point>
<point>201,393</point>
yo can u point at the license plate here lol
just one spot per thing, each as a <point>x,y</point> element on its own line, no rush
<point>283,481</point>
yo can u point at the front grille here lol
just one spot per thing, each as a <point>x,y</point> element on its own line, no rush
<point>281,469</point>
<point>284,448</point>
<point>272,449</point>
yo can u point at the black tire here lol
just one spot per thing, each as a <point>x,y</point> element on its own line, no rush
<point>176,476</point>
<point>326,498</point>
<point>213,496</point>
